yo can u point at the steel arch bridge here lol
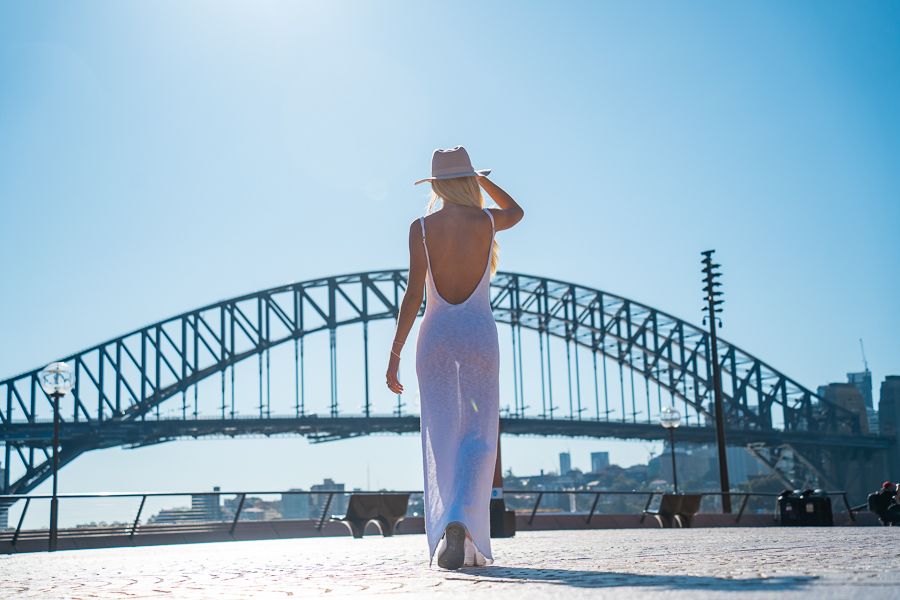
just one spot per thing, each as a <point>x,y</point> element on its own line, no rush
<point>120,384</point>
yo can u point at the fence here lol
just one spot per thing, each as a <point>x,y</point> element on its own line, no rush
<point>152,512</point>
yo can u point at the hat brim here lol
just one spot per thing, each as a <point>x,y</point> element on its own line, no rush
<point>481,172</point>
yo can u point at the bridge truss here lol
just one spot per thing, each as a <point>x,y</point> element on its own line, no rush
<point>121,384</point>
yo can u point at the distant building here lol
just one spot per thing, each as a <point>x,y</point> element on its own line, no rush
<point>889,419</point>
<point>254,513</point>
<point>565,463</point>
<point>699,463</point>
<point>174,515</point>
<point>317,501</point>
<point>847,395</point>
<point>599,461</point>
<point>874,425</point>
<point>295,506</point>
<point>862,382</point>
<point>546,482</point>
<point>889,406</point>
<point>691,464</point>
<point>742,465</point>
<point>206,507</point>
<point>637,472</point>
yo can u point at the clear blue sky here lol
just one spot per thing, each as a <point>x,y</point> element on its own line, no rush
<point>158,156</point>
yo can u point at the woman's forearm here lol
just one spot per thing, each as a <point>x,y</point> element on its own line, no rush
<point>409,309</point>
<point>497,194</point>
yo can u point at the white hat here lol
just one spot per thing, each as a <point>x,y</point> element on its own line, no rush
<point>452,162</point>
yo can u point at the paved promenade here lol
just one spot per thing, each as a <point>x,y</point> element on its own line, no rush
<point>821,563</point>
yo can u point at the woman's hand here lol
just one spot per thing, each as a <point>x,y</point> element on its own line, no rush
<point>510,212</point>
<point>392,382</point>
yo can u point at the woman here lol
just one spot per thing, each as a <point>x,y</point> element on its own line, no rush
<point>457,354</point>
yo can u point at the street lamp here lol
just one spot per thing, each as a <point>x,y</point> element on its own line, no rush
<point>670,418</point>
<point>56,381</point>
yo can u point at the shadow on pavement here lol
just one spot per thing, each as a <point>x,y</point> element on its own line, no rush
<point>603,579</point>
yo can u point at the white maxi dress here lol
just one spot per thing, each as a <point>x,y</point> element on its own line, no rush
<point>458,371</point>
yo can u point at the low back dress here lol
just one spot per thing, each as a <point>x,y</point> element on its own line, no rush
<point>458,370</point>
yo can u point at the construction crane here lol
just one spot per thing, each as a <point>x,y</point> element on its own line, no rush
<point>862,349</point>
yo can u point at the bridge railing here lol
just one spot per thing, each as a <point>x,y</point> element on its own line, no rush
<point>137,513</point>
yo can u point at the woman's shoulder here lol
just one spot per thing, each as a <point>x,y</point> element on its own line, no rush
<point>452,222</point>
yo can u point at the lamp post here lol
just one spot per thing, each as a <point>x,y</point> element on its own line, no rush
<point>712,296</point>
<point>56,381</point>
<point>670,418</point>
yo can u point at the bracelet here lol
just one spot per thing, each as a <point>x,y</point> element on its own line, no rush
<point>397,342</point>
<point>395,354</point>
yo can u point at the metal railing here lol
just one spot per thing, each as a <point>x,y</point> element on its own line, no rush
<point>744,498</point>
<point>194,519</point>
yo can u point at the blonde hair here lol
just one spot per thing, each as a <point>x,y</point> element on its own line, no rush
<point>464,191</point>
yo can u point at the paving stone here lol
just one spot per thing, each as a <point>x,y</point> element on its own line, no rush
<point>825,563</point>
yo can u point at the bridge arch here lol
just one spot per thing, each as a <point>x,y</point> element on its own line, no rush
<point>124,379</point>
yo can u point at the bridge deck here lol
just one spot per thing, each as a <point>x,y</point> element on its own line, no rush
<point>106,434</point>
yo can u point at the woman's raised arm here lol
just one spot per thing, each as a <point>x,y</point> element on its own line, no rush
<point>510,212</point>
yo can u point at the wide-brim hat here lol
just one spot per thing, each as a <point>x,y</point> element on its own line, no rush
<point>451,162</point>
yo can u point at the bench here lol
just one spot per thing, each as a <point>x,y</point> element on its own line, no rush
<point>675,508</point>
<point>385,509</point>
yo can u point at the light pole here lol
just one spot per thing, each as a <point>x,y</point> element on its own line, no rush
<point>56,381</point>
<point>712,296</point>
<point>670,418</point>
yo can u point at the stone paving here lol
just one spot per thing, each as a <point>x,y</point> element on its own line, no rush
<point>822,563</point>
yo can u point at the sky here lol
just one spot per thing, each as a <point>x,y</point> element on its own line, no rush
<point>160,156</point>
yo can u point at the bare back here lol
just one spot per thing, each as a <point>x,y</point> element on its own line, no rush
<point>459,244</point>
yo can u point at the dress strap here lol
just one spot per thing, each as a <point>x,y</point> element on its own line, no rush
<point>424,245</point>
<point>492,219</point>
